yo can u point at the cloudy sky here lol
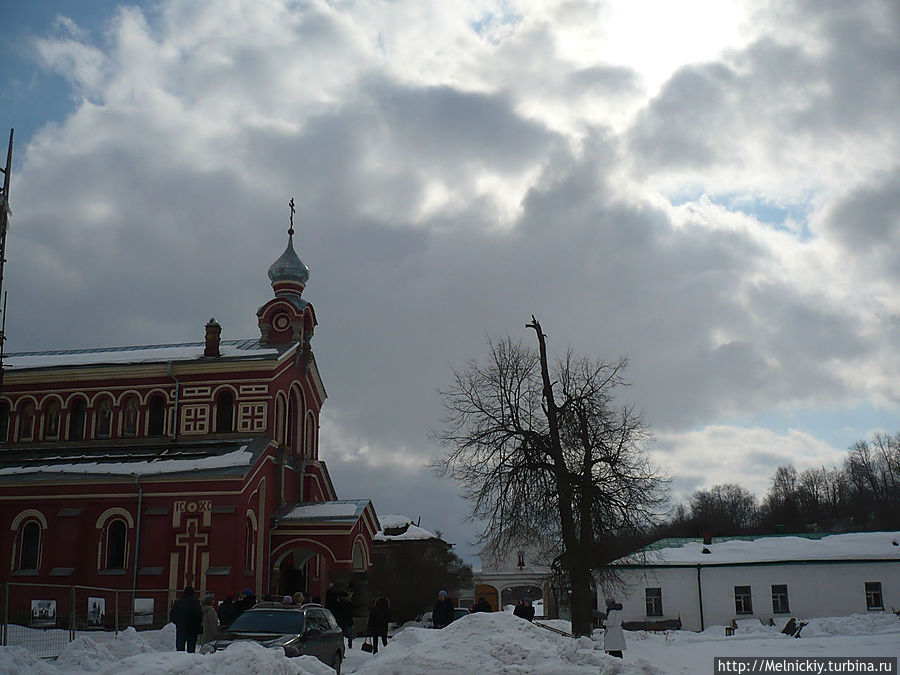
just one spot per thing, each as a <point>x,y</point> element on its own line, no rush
<point>709,187</point>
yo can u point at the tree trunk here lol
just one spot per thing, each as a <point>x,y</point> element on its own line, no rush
<point>574,558</point>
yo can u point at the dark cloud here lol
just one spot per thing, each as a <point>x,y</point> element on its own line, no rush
<point>434,215</point>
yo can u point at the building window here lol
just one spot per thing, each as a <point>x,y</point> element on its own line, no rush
<point>780,599</point>
<point>104,418</point>
<point>26,421</point>
<point>250,546</point>
<point>116,533</point>
<point>76,420</point>
<point>742,603</point>
<point>225,412</point>
<point>51,421</point>
<point>4,421</point>
<point>130,417</point>
<point>653,597</point>
<point>30,546</point>
<point>873,595</point>
<point>157,414</point>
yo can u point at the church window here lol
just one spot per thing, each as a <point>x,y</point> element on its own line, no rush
<point>157,414</point>
<point>130,417</point>
<point>51,421</point>
<point>26,421</point>
<point>4,421</point>
<point>292,423</point>
<point>104,418</point>
<point>249,551</point>
<point>76,420</point>
<point>225,412</point>
<point>115,544</point>
<point>310,449</point>
<point>30,545</point>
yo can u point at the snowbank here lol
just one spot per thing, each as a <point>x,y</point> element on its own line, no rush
<point>494,643</point>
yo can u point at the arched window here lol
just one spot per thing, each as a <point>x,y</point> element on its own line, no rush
<point>104,418</point>
<point>51,420</point>
<point>225,412</point>
<point>130,417</point>
<point>76,420</point>
<point>30,545</point>
<point>292,421</point>
<point>26,421</point>
<point>157,413</point>
<point>250,545</point>
<point>4,421</point>
<point>116,533</point>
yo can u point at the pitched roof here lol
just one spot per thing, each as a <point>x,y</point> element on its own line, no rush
<point>768,549</point>
<point>231,350</point>
<point>339,510</point>
<point>160,458</point>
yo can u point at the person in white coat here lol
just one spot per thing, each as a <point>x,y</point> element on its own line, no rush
<point>614,639</point>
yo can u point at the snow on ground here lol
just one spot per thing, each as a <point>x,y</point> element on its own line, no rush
<point>482,642</point>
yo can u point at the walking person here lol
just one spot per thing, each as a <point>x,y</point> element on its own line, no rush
<point>343,614</point>
<point>187,615</point>
<point>379,618</point>
<point>210,619</point>
<point>614,639</point>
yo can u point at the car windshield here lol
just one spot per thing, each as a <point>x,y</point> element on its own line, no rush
<point>272,621</point>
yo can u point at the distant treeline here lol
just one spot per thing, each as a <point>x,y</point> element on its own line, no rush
<point>861,494</point>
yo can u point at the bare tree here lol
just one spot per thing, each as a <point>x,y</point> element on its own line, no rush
<point>724,509</point>
<point>551,458</point>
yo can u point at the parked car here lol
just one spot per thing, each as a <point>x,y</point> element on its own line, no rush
<point>309,630</point>
<point>425,618</point>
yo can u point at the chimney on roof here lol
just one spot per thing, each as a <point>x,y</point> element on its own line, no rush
<point>707,538</point>
<point>213,335</point>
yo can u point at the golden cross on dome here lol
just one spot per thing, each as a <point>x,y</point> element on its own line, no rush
<point>291,204</point>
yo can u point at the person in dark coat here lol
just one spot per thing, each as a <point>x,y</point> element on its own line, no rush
<point>482,606</point>
<point>246,600</point>
<point>187,615</point>
<point>343,614</point>
<point>379,618</point>
<point>226,611</point>
<point>520,610</point>
<point>442,614</point>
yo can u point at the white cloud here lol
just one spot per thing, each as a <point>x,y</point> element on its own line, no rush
<point>460,166</point>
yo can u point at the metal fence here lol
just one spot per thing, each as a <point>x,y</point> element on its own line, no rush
<point>45,617</point>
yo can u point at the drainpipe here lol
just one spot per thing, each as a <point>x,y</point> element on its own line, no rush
<point>137,543</point>
<point>177,391</point>
<point>700,597</point>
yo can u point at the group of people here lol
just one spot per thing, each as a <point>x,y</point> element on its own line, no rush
<point>524,609</point>
<point>376,627</point>
<point>200,621</point>
<point>193,619</point>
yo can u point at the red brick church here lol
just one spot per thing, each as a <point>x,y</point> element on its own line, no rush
<point>152,467</point>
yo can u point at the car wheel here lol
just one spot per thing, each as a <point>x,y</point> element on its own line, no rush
<point>336,663</point>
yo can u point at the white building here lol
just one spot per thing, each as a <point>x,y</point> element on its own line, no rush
<point>765,578</point>
<point>516,576</point>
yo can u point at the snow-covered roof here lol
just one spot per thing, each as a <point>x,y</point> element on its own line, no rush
<point>147,459</point>
<point>768,549</point>
<point>240,457</point>
<point>403,524</point>
<point>341,509</point>
<point>189,351</point>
